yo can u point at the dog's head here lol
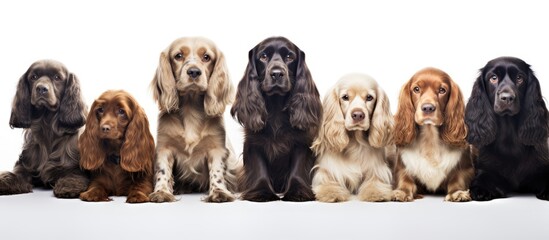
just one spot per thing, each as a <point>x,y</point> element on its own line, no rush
<point>48,86</point>
<point>430,97</point>
<point>192,66</point>
<point>355,103</point>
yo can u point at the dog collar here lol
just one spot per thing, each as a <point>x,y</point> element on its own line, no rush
<point>114,159</point>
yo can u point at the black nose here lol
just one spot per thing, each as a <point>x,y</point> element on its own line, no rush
<point>41,90</point>
<point>428,108</point>
<point>358,115</point>
<point>106,128</point>
<point>194,72</point>
<point>277,74</point>
<point>507,97</point>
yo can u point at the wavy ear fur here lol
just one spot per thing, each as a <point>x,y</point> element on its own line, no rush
<point>137,152</point>
<point>163,85</point>
<point>405,127</point>
<point>304,104</point>
<point>479,116</point>
<point>534,120</point>
<point>92,153</point>
<point>382,122</point>
<point>72,107</point>
<point>249,106</point>
<point>220,90</point>
<point>21,107</point>
<point>454,131</point>
<point>332,135</point>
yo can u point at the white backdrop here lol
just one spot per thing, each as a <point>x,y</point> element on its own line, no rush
<point>116,44</point>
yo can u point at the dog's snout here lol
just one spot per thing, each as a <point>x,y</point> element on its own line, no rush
<point>42,90</point>
<point>194,72</point>
<point>506,97</point>
<point>428,108</point>
<point>277,74</point>
<point>358,115</point>
<point>105,128</point>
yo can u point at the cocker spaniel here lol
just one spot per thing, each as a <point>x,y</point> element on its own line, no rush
<point>118,149</point>
<point>356,126</point>
<point>49,107</point>
<point>279,106</point>
<point>430,133</point>
<point>509,124</point>
<point>192,88</point>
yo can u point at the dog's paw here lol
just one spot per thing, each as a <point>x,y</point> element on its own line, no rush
<point>11,184</point>
<point>458,196</point>
<point>137,197</point>
<point>543,195</point>
<point>161,196</point>
<point>483,194</point>
<point>332,194</point>
<point>401,196</point>
<point>375,195</point>
<point>299,195</point>
<point>259,196</point>
<point>218,195</point>
<point>93,196</point>
<point>70,187</point>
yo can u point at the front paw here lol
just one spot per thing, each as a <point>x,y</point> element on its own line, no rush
<point>401,196</point>
<point>331,194</point>
<point>375,195</point>
<point>483,194</point>
<point>259,196</point>
<point>137,197</point>
<point>458,196</point>
<point>299,195</point>
<point>70,187</point>
<point>94,196</point>
<point>219,195</point>
<point>11,184</point>
<point>544,195</point>
<point>161,196</point>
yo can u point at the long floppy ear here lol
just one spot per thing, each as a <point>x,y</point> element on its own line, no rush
<point>163,85</point>
<point>479,116</point>
<point>72,108</point>
<point>405,126</point>
<point>249,106</point>
<point>332,135</point>
<point>137,152</point>
<point>382,122</point>
<point>92,153</point>
<point>220,90</point>
<point>304,104</point>
<point>21,109</point>
<point>534,120</point>
<point>454,131</point>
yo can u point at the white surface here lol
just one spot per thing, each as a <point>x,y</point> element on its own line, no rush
<point>116,45</point>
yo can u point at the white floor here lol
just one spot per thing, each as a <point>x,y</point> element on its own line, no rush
<point>41,216</point>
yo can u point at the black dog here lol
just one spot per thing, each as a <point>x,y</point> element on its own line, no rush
<point>279,106</point>
<point>48,105</point>
<point>508,122</point>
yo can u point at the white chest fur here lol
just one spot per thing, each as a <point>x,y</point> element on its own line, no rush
<point>429,159</point>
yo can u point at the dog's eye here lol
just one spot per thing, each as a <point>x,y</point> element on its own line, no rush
<point>520,79</point>
<point>369,98</point>
<point>442,91</point>
<point>345,97</point>
<point>34,77</point>
<point>178,56</point>
<point>494,78</point>
<point>121,112</point>
<point>263,57</point>
<point>206,58</point>
<point>290,57</point>
<point>416,89</point>
<point>100,110</point>
<point>56,77</point>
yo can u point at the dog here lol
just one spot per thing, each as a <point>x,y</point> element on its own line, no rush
<point>279,107</point>
<point>356,127</point>
<point>430,135</point>
<point>118,149</point>
<point>508,122</point>
<point>49,107</point>
<point>192,89</point>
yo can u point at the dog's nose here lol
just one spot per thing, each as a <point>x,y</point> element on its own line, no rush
<point>41,90</point>
<point>428,108</point>
<point>358,115</point>
<point>194,72</point>
<point>277,74</point>
<point>507,97</point>
<point>106,128</point>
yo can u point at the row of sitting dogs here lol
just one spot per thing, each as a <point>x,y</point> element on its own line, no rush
<point>296,148</point>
